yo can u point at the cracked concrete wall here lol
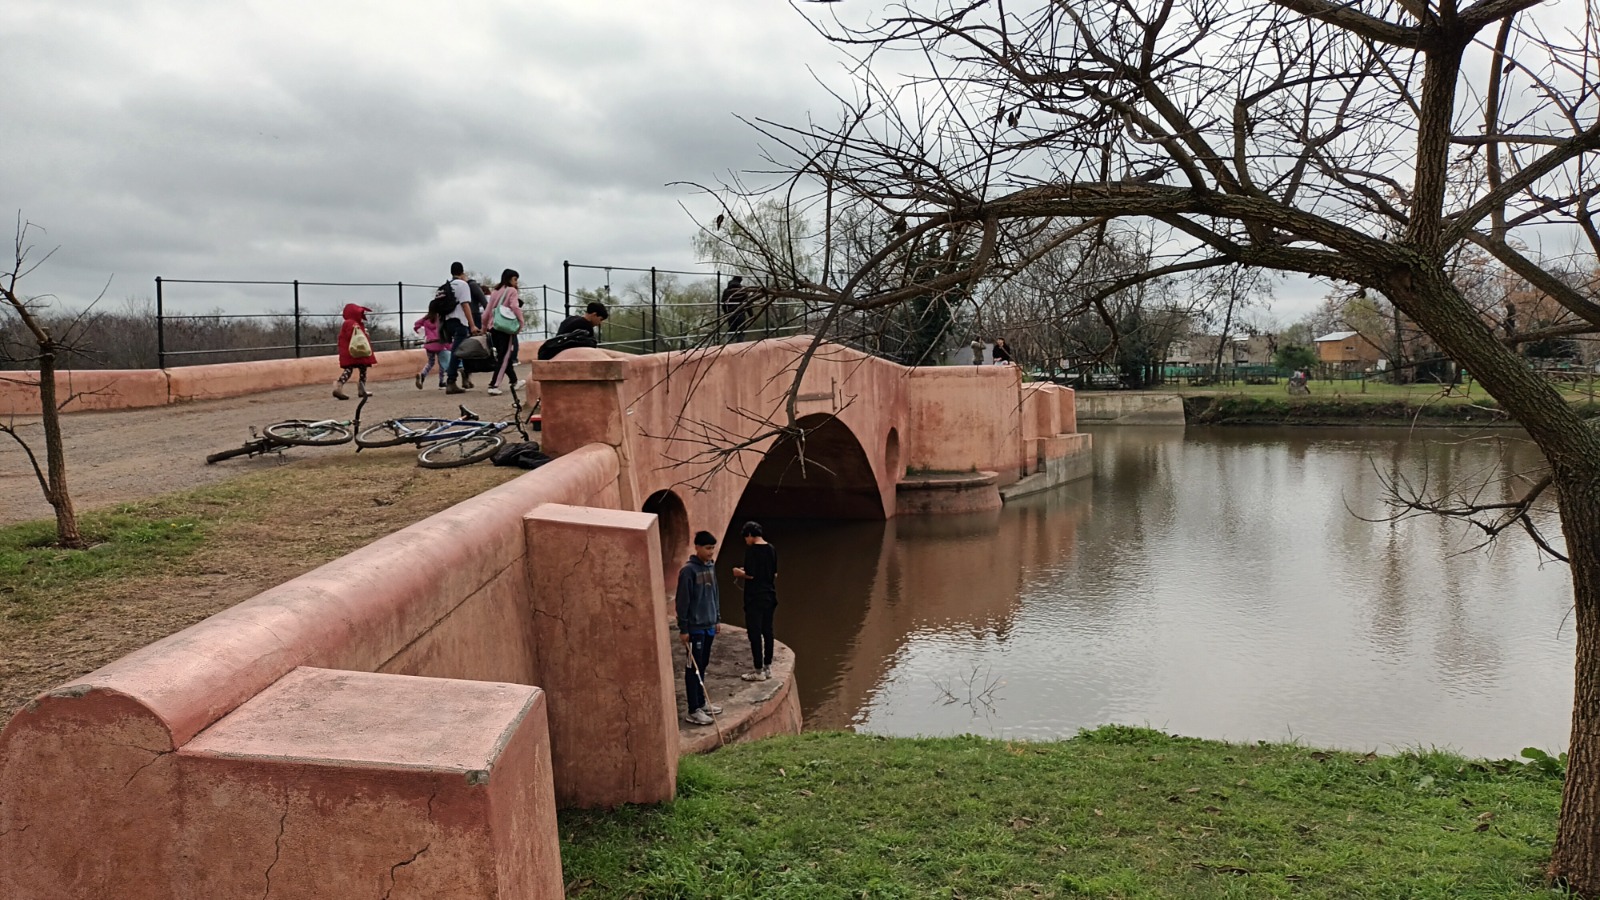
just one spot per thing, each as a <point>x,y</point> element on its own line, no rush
<point>87,800</point>
<point>603,654</point>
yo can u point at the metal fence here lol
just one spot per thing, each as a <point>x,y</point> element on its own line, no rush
<point>649,316</point>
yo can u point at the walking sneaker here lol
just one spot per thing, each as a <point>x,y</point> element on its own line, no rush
<point>757,675</point>
<point>339,394</point>
<point>363,392</point>
<point>419,381</point>
<point>766,673</point>
<point>712,708</point>
<point>441,385</point>
<point>494,392</point>
<point>698,717</point>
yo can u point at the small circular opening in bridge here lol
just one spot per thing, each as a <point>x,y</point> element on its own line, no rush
<point>891,455</point>
<point>673,523</point>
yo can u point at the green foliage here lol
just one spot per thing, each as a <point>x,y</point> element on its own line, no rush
<point>128,539</point>
<point>1116,813</point>
<point>1554,766</point>
<point>1295,356</point>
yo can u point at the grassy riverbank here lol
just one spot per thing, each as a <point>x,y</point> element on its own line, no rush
<point>158,566</point>
<point>1351,403</point>
<point>1115,813</point>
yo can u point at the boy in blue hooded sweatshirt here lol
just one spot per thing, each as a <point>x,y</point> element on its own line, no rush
<point>699,610</point>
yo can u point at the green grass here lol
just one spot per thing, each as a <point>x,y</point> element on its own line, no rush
<point>126,540</point>
<point>1114,813</point>
<point>1372,391</point>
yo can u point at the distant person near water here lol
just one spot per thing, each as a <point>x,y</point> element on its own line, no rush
<point>699,610</point>
<point>760,577</point>
<point>355,350</point>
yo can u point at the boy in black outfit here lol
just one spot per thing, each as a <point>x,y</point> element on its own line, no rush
<point>699,609</point>
<point>760,576</point>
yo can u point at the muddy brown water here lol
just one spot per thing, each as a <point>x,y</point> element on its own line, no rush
<point>1220,583</point>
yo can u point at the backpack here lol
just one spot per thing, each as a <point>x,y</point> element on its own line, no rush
<point>443,302</point>
<point>522,456</point>
<point>576,338</point>
<point>360,347</point>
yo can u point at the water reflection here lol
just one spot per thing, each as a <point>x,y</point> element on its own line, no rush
<point>1220,582</point>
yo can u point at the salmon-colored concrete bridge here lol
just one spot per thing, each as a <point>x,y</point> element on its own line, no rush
<point>404,721</point>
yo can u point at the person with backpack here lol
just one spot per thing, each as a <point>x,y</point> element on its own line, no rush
<point>355,350</point>
<point>576,331</point>
<point>699,610</point>
<point>460,324</point>
<point>504,318</point>
<point>431,327</point>
<point>759,575</point>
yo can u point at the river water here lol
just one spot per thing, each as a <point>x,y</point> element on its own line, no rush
<point>1214,582</point>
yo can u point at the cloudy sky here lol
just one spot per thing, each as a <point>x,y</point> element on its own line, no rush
<point>376,141</point>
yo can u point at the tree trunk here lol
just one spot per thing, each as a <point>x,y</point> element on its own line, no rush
<point>1576,860</point>
<point>55,455</point>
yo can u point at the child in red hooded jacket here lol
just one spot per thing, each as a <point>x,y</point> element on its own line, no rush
<point>354,323</point>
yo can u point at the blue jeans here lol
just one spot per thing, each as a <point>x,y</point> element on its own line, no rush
<point>458,333</point>
<point>694,691</point>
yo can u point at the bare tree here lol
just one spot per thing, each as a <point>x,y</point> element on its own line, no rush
<point>1363,142</point>
<point>41,348</point>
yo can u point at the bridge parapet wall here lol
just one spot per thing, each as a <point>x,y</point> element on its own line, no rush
<point>97,778</point>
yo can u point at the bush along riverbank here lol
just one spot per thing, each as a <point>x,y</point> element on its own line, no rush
<point>1226,409</point>
<point>1114,813</point>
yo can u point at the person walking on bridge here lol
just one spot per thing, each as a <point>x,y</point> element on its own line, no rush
<point>355,350</point>
<point>759,575</point>
<point>699,610</point>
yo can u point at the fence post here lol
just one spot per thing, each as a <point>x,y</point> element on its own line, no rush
<point>161,336</point>
<point>716,310</point>
<point>566,288</point>
<point>545,290</point>
<point>655,323</point>
<point>400,310</point>
<point>297,318</point>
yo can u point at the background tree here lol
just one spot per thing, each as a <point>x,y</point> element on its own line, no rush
<point>38,346</point>
<point>1327,138</point>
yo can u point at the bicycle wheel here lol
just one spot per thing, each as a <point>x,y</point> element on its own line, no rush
<point>309,434</point>
<point>230,454</point>
<point>460,452</point>
<point>395,432</point>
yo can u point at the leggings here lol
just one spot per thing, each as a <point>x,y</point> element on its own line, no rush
<point>346,376</point>
<point>442,357</point>
<point>505,354</point>
<point>758,619</point>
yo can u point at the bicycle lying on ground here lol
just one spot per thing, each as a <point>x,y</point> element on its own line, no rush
<point>295,433</point>
<point>449,442</point>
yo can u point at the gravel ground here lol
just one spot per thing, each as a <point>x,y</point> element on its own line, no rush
<point>115,457</point>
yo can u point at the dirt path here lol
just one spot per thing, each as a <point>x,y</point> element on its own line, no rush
<point>115,457</point>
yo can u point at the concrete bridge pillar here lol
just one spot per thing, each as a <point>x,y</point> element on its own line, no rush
<point>582,403</point>
<point>602,654</point>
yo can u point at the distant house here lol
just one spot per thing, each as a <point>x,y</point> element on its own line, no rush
<point>1347,350</point>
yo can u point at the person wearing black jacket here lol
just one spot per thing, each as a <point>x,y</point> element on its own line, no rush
<point>759,575</point>
<point>699,610</point>
<point>576,331</point>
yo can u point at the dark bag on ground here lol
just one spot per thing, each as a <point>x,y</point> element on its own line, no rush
<point>522,456</point>
<point>475,347</point>
<point>577,338</point>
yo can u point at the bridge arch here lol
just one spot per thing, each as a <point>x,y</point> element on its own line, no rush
<point>672,517</point>
<point>824,475</point>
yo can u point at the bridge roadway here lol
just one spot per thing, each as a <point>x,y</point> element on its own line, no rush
<point>126,455</point>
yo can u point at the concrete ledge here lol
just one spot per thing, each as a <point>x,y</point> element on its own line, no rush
<point>948,492</point>
<point>97,389</point>
<point>1063,458</point>
<point>1128,408</point>
<point>581,364</point>
<point>751,710</point>
<point>353,784</point>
